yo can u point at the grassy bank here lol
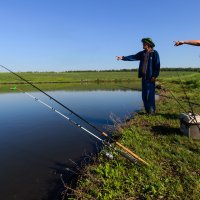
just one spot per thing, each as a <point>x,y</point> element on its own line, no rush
<point>71,80</point>
<point>174,159</point>
<point>110,80</point>
<point>76,77</point>
<point>70,77</point>
<point>5,88</point>
<point>174,171</point>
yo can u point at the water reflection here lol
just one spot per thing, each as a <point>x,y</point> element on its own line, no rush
<point>34,140</point>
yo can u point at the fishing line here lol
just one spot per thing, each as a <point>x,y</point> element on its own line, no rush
<point>196,104</point>
<point>180,105</point>
<point>131,156</point>
<point>159,87</point>
<point>193,117</point>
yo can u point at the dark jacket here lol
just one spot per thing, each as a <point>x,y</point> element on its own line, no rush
<point>153,64</point>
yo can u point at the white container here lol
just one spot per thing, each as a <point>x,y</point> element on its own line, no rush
<point>190,125</point>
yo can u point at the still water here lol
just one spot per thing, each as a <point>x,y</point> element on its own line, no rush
<point>36,144</point>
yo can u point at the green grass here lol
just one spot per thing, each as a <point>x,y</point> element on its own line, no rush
<point>71,81</point>
<point>87,80</point>
<point>5,88</point>
<point>69,76</point>
<point>174,159</point>
<point>91,76</point>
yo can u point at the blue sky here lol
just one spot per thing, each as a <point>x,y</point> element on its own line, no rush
<point>61,35</point>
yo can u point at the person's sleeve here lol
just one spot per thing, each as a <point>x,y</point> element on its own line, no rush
<point>156,65</point>
<point>132,57</point>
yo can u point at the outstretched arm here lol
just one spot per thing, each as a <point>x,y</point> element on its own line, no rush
<point>137,56</point>
<point>190,42</point>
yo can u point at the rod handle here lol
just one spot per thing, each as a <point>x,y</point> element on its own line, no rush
<point>127,156</point>
<point>131,153</point>
<point>127,150</point>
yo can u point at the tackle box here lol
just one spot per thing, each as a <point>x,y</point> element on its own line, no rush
<point>190,125</point>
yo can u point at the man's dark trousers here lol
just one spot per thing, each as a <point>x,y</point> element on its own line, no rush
<point>148,95</point>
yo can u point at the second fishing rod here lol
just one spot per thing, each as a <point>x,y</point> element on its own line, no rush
<point>192,116</point>
<point>105,143</point>
<point>127,150</point>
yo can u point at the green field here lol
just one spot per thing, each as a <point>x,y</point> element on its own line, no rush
<point>71,80</point>
<point>174,159</point>
<point>70,77</point>
<point>89,80</point>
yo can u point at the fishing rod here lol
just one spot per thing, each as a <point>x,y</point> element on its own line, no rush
<point>196,104</point>
<point>127,150</point>
<point>178,101</point>
<point>159,87</point>
<point>180,105</point>
<point>191,108</point>
<point>105,143</point>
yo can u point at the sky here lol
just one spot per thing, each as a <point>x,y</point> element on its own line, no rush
<point>65,35</point>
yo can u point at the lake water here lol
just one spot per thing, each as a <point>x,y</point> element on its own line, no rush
<point>37,144</point>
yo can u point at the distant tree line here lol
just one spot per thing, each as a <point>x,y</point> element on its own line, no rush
<point>187,69</point>
<point>109,70</point>
<point>190,69</point>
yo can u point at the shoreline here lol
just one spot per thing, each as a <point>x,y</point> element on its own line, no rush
<point>156,139</point>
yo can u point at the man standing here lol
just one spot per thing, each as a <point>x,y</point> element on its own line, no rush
<point>149,69</point>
